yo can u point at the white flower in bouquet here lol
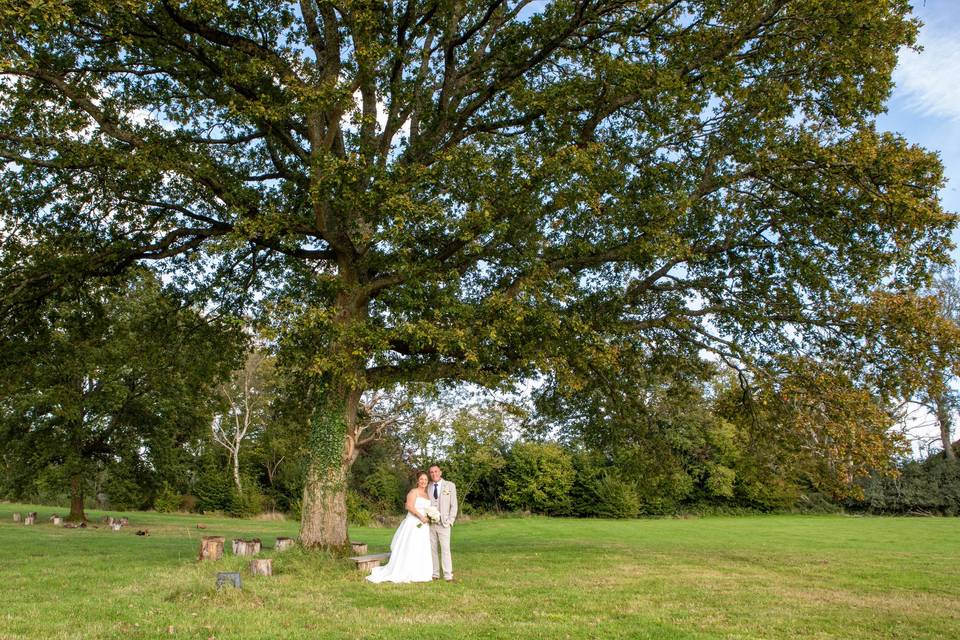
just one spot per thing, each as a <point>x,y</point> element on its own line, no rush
<point>433,514</point>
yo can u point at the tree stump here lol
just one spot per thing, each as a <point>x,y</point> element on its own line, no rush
<point>57,521</point>
<point>30,519</point>
<point>262,567</point>
<point>124,522</point>
<point>284,543</point>
<point>246,547</point>
<point>17,517</point>
<point>359,548</point>
<point>107,519</point>
<point>211,548</point>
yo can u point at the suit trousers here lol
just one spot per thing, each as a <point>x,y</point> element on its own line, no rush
<point>440,541</point>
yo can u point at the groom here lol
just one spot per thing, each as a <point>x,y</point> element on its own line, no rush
<point>443,496</point>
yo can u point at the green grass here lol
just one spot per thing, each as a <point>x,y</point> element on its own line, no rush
<point>745,577</point>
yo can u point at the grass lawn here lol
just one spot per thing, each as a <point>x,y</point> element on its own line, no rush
<point>744,577</point>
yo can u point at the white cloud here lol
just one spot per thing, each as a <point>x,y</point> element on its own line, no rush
<point>928,82</point>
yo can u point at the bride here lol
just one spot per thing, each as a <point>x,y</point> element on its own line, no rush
<point>410,548</point>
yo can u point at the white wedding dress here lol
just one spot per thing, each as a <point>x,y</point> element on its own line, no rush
<point>409,551</point>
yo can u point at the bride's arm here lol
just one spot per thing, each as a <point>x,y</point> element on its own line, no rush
<point>411,506</point>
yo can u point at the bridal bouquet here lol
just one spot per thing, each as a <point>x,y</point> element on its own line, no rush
<point>433,515</point>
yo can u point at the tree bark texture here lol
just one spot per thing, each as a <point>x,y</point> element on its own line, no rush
<point>76,499</point>
<point>211,548</point>
<point>323,521</point>
<point>262,567</point>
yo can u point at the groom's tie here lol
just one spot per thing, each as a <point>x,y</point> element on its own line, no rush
<point>435,484</point>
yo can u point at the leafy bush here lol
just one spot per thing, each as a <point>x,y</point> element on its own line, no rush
<point>538,477</point>
<point>383,488</point>
<point>357,512</point>
<point>168,500</point>
<point>248,503</point>
<point>601,491</point>
<point>296,509</point>
<point>214,490</point>
<point>618,498</point>
<point>124,488</point>
<point>49,487</point>
<point>719,481</point>
<point>929,487</point>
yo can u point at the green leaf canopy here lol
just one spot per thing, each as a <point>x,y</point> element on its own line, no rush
<point>469,190</point>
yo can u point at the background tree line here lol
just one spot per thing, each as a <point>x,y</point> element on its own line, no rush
<point>126,396</point>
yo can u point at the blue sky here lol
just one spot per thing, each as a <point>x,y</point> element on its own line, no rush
<point>925,105</point>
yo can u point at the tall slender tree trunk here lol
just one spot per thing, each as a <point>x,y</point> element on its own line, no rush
<point>76,499</point>
<point>946,422</point>
<point>235,458</point>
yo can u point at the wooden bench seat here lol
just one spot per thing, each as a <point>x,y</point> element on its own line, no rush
<point>369,561</point>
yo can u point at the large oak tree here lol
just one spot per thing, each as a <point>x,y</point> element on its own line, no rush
<point>440,190</point>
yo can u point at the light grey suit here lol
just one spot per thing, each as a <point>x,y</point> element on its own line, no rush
<point>446,504</point>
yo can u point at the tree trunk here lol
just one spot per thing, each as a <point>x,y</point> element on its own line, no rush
<point>211,548</point>
<point>262,567</point>
<point>246,547</point>
<point>323,522</point>
<point>945,420</point>
<point>235,456</point>
<point>76,499</point>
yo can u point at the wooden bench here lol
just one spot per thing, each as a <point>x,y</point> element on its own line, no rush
<point>370,561</point>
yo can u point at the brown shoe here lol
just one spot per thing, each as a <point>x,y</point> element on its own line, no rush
<point>449,579</point>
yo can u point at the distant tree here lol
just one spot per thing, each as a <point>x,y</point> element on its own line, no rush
<point>121,370</point>
<point>538,477</point>
<point>914,355</point>
<point>248,395</point>
<point>942,396</point>
<point>476,454</point>
<point>465,190</point>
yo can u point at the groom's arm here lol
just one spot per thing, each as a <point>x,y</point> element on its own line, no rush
<point>453,504</point>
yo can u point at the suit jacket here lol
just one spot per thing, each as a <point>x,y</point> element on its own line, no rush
<point>446,504</point>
